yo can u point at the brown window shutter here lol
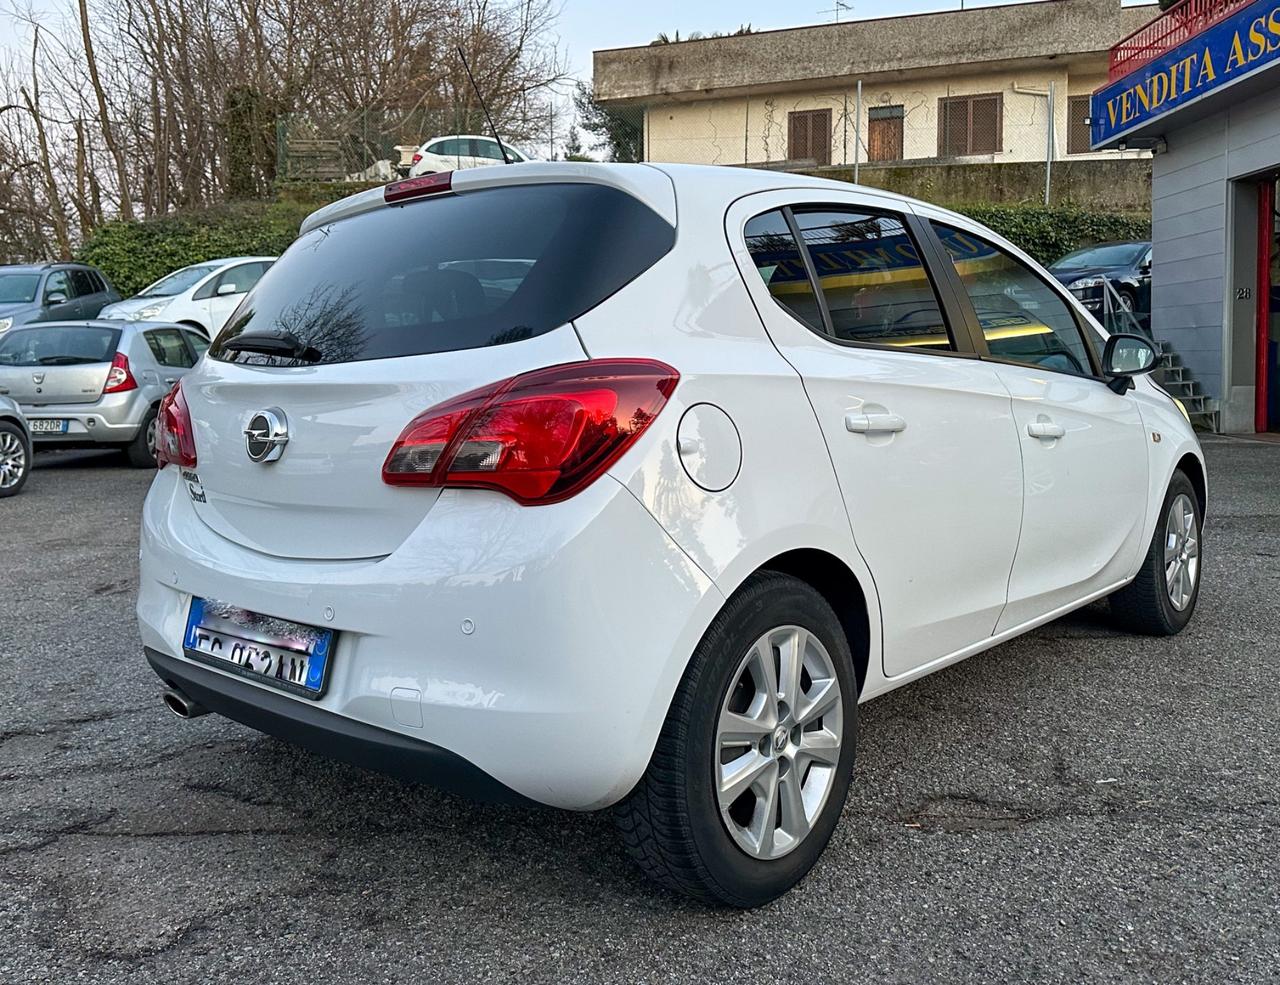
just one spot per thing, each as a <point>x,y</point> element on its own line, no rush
<point>1077,126</point>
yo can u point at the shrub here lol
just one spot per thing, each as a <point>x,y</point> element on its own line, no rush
<point>1049,232</point>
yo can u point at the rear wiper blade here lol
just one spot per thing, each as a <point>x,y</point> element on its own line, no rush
<point>274,343</point>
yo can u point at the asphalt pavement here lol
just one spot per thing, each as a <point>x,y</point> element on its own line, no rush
<point>1074,806</point>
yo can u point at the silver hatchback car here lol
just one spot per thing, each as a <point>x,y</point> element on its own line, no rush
<point>96,384</point>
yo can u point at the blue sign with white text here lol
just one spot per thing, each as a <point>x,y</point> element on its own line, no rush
<point>1232,49</point>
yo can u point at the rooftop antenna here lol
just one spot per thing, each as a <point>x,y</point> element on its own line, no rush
<point>840,7</point>
<point>506,158</point>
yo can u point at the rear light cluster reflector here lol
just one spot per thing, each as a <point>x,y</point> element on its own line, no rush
<point>119,379</point>
<point>427,184</point>
<point>539,437</point>
<point>175,441</point>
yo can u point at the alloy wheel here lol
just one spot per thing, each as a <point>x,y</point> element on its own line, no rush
<point>778,742</point>
<point>1181,551</point>
<point>13,460</point>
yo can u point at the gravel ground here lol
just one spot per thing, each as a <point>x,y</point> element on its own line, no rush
<point>1075,805</point>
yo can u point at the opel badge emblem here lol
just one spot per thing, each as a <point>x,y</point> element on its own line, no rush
<point>266,434</point>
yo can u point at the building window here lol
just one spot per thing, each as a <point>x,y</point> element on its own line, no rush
<point>884,133</point>
<point>809,135</point>
<point>970,125</point>
<point>1078,125</point>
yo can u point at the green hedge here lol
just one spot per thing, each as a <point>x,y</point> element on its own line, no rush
<point>1048,232</point>
<point>133,254</point>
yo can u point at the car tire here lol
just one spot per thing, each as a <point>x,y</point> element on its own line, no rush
<point>15,459</point>
<point>141,451</point>
<point>1128,300</point>
<point>1162,598</point>
<point>680,827</point>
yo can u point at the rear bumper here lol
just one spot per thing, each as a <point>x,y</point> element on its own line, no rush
<point>113,420</point>
<point>329,734</point>
<point>541,645</point>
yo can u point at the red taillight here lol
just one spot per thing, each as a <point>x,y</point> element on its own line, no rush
<point>539,437</point>
<point>416,158</point>
<point>427,184</point>
<point>175,442</point>
<point>119,379</point>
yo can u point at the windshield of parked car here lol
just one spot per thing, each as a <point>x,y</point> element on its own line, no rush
<point>451,272</point>
<point>179,281</point>
<point>1110,255</point>
<point>18,288</point>
<point>58,345</point>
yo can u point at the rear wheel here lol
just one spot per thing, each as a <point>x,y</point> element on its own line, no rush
<point>142,450</point>
<point>1161,599</point>
<point>15,459</point>
<point>753,764</point>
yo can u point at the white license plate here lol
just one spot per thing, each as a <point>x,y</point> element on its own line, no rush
<point>275,651</point>
<point>47,425</point>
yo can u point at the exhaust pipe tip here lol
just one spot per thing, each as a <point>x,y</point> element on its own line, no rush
<point>181,705</point>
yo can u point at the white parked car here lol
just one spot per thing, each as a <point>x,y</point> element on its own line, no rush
<point>622,485</point>
<point>462,151</point>
<point>202,295</point>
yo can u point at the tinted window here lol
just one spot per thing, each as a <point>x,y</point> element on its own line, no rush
<point>18,288</point>
<point>780,265</point>
<point>240,279</point>
<point>99,283</point>
<point>875,286</point>
<point>58,283</point>
<point>453,272</point>
<point>82,283</point>
<point>453,147</point>
<point>58,345</point>
<point>1023,319</point>
<point>199,344</point>
<point>167,346</point>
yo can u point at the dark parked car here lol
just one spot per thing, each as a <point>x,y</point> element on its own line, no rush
<point>38,292</point>
<point>1126,265</point>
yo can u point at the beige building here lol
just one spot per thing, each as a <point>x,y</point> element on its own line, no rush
<point>977,85</point>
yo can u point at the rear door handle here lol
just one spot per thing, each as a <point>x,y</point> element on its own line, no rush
<point>1046,430</point>
<point>874,423</point>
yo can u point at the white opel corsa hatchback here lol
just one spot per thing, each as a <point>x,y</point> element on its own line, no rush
<point>621,486</point>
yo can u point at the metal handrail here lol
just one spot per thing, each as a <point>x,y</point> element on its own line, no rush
<point>1178,24</point>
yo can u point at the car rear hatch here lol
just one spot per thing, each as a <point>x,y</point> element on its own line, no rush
<point>56,363</point>
<point>391,311</point>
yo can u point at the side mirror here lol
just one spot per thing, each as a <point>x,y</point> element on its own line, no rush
<point>57,297</point>
<point>225,289</point>
<point>1144,267</point>
<point>1125,357</point>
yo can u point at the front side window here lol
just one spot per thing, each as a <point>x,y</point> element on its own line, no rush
<point>179,281</point>
<point>870,273</point>
<point>778,261</point>
<point>487,149</point>
<point>1023,319</point>
<point>58,283</point>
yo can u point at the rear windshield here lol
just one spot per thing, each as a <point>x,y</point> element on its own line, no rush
<point>461,271</point>
<point>58,345</point>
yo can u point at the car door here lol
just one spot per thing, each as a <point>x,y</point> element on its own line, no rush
<point>58,283</point>
<point>172,354</point>
<point>920,432</point>
<point>88,299</point>
<point>1084,446</point>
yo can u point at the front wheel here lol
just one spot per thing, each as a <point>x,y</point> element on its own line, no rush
<point>1161,599</point>
<point>753,764</point>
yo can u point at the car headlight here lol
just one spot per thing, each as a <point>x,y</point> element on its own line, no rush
<point>149,312</point>
<point>1077,287</point>
<point>5,324</point>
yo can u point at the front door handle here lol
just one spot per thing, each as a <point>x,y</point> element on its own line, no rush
<point>1046,430</point>
<point>874,423</point>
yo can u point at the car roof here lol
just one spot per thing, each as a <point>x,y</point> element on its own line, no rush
<point>123,327</point>
<point>706,182</point>
<point>44,265</point>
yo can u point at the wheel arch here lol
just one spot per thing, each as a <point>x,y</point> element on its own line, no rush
<point>835,582</point>
<point>1193,468</point>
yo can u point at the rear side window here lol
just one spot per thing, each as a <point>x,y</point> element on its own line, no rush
<point>778,261</point>
<point>82,283</point>
<point>456,272</point>
<point>58,345</point>
<point>167,346</point>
